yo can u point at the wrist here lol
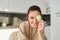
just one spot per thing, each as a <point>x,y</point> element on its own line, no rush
<point>41,31</point>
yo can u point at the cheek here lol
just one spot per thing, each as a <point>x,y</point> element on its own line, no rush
<point>31,21</point>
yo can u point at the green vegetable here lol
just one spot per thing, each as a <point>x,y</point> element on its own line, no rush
<point>38,17</point>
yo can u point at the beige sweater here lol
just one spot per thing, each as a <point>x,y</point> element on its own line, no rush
<point>27,33</point>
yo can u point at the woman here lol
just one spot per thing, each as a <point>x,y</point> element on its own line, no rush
<point>32,29</point>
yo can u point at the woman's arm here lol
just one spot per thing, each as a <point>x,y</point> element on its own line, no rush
<point>42,35</point>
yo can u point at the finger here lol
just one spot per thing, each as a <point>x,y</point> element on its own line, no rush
<point>41,21</point>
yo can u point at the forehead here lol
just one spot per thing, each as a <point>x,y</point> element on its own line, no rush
<point>33,13</point>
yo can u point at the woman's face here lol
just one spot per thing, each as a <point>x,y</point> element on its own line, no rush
<point>32,18</point>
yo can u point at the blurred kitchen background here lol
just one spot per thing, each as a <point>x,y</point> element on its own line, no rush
<point>13,12</point>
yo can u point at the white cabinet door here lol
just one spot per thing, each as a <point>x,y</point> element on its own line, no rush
<point>23,5</point>
<point>3,4</point>
<point>16,5</point>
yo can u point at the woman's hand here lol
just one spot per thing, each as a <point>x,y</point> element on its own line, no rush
<point>41,25</point>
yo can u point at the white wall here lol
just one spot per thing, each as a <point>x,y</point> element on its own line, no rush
<point>55,20</point>
<point>47,31</point>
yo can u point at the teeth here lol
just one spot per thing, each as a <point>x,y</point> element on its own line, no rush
<point>38,17</point>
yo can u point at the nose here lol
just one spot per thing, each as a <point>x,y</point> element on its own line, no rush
<point>35,21</point>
